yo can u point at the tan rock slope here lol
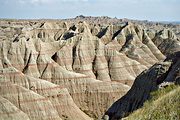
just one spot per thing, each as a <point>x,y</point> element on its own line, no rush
<point>159,75</point>
<point>75,68</point>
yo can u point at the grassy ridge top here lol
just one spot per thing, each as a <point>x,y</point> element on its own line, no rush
<point>164,105</point>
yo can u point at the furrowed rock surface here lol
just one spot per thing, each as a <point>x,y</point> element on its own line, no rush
<point>9,111</point>
<point>58,96</point>
<point>76,68</point>
<point>160,75</point>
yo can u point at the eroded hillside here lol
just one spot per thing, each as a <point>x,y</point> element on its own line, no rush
<point>159,76</point>
<point>74,69</point>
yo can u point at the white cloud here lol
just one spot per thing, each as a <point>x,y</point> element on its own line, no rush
<point>34,1</point>
<point>48,1</point>
<point>40,1</point>
<point>74,0</point>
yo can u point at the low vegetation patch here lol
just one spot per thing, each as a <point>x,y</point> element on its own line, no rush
<point>163,105</point>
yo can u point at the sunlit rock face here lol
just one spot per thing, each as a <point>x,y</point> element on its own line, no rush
<point>75,68</point>
<point>158,76</point>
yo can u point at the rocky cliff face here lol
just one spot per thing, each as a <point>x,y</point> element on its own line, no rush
<point>159,75</point>
<point>73,69</point>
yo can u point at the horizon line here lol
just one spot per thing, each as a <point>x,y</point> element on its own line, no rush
<point>46,18</point>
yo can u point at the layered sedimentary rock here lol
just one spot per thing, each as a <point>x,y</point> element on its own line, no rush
<point>58,97</point>
<point>159,75</point>
<point>76,68</point>
<point>10,111</point>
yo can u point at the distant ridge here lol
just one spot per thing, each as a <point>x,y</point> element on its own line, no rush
<point>171,22</point>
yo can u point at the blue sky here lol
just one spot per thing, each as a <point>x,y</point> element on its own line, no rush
<point>155,10</point>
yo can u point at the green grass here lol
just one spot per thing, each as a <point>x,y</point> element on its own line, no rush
<point>163,105</point>
<point>163,91</point>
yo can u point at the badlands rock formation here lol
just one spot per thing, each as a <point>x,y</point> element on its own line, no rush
<point>159,75</point>
<point>74,69</point>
